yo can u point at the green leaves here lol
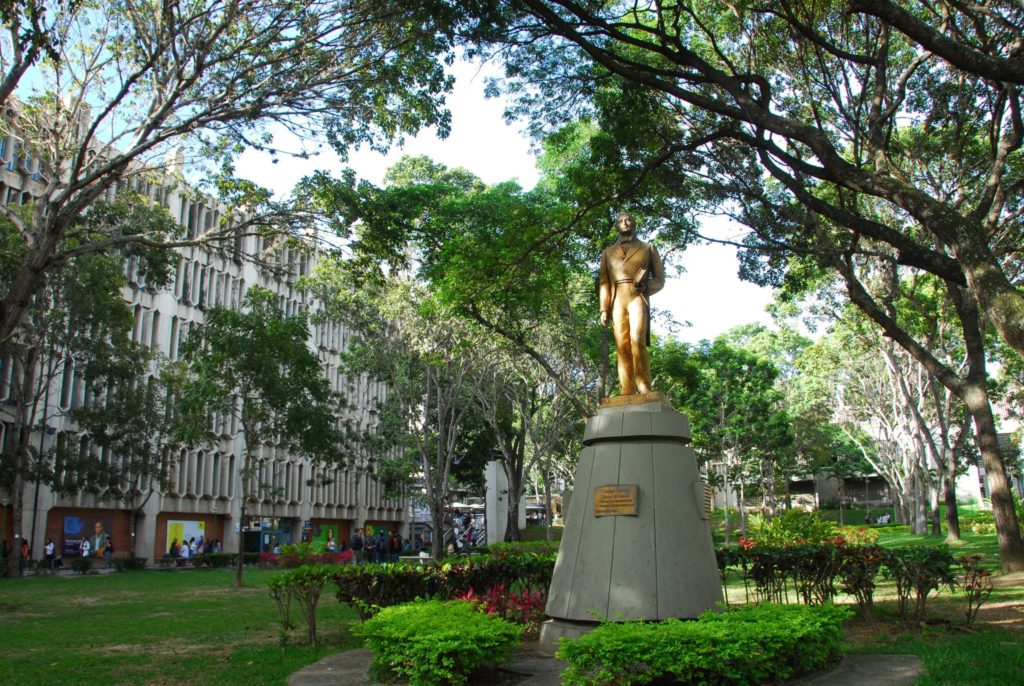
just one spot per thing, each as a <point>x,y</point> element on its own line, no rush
<point>258,358</point>
<point>431,643</point>
<point>755,644</point>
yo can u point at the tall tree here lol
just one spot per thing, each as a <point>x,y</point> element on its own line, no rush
<point>735,411</point>
<point>494,254</point>
<point>133,421</point>
<point>406,339</point>
<point>77,329</point>
<point>129,83</point>
<point>833,136</point>
<point>255,364</point>
<point>526,413</point>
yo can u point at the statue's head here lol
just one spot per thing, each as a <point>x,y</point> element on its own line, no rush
<point>625,224</point>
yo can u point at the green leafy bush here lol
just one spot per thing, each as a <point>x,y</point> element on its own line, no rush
<point>919,570</point>
<point>435,642</point>
<point>752,645</point>
<point>976,582</point>
<point>281,592</point>
<point>368,588</point>
<point>792,527</point>
<point>857,535</point>
<point>304,585</point>
<point>131,562</point>
<point>214,560</point>
<point>502,548</point>
<point>981,522</point>
<point>809,569</point>
<point>81,565</point>
<point>858,571</point>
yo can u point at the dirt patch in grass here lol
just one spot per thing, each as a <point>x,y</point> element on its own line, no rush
<point>1015,580</point>
<point>87,601</point>
<point>166,648</point>
<point>943,610</point>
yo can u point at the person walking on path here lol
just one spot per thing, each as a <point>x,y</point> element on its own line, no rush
<point>108,551</point>
<point>23,557</point>
<point>50,549</point>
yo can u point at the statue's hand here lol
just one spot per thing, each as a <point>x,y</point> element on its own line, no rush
<point>604,318</point>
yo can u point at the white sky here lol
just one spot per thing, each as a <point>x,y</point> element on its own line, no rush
<point>709,295</point>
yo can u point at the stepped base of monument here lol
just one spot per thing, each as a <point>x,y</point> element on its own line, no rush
<point>553,629</point>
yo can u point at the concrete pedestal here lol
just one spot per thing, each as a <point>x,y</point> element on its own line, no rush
<point>654,564</point>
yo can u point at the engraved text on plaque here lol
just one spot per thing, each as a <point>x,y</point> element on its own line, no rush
<point>615,500</point>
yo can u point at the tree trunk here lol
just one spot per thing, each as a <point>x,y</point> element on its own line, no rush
<point>515,495</point>
<point>952,514</point>
<point>1011,548</point>
<point>437,548</point>
<point>23,432</point>
<point>725,491</point>
<point>919,505</point>
<point>240,562</point>
<point>935,516</point>
<point>842,517</point>
<point>549,516</point>
<point>743,511</point>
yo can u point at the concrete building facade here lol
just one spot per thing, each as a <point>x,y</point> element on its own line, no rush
<point>204,487</point>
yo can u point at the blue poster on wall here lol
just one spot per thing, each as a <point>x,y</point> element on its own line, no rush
<point>73,535</point>
<point>78,529</point>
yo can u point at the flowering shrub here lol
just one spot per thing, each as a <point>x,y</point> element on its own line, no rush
<point>858,535</point>
<point>367,588</point>
<point>525,608</point>
<point>267,559</point>
<point>792,527</point>
<point>858,571</point>
<point>299,554</point>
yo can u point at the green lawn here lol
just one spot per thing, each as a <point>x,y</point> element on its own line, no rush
<point>992,652</point>
<point>194,627</point>
<point>154,627</point>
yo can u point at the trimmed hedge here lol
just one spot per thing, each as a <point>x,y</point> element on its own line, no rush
<point>433,642</point>
<point>130,563</point>
<point>367,588</point>
<point>751,645</point>
<point>811,572</point>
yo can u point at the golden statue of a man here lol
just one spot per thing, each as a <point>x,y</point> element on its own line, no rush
<point>631,271</point>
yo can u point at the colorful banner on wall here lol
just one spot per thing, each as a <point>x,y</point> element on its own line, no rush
<point>181,530</point>
<point>93,529</point>
<point>326,534</point>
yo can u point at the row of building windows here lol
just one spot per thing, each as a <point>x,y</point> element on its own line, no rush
<point>203,278</point>
<point>202,285</point>
<point>17,157</point>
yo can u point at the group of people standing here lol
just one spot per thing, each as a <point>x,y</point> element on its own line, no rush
<point>376,547</point>
<point>192,547</point>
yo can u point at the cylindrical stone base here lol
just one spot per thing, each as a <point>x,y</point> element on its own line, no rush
<point>656,564</point>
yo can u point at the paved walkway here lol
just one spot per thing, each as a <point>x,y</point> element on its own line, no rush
<point>350,668</point>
